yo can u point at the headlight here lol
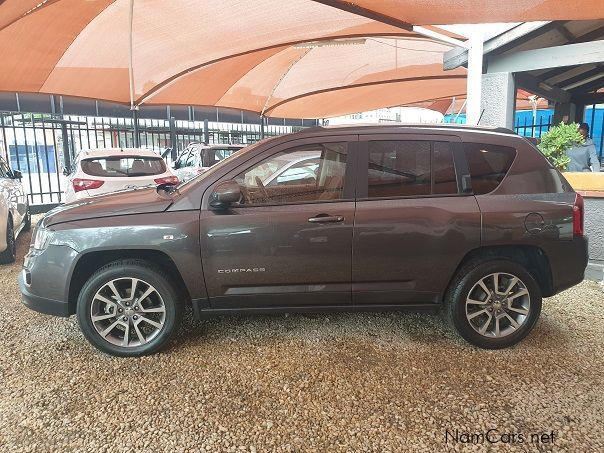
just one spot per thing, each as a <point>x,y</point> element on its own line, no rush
<point>42,238</point>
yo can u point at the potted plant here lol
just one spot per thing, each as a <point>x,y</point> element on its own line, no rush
<point>559,139</point>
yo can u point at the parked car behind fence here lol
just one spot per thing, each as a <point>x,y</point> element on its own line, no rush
<point>108,170</point>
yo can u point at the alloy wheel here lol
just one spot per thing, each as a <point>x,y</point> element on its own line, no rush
<point>498,305</point>
<point>128,312</point>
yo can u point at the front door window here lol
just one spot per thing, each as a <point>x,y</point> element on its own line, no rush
<point>304,174</point>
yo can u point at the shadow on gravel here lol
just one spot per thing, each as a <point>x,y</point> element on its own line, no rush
<point>400,326</point>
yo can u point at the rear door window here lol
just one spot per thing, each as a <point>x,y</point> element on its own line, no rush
<point>399,168</point>
<point>123,166</point>
<point>407,168</point>
<point>488,165</point>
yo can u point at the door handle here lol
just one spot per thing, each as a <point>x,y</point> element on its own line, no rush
<point>324,218</point>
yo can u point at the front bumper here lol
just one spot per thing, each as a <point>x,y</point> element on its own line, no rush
<point>44,280</point>
<point>42,304</point>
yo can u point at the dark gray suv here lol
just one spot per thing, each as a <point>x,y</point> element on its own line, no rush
<point>473,220</point>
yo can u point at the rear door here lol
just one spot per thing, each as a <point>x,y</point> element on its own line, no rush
<point>413,222</point>
<point>289,242</point>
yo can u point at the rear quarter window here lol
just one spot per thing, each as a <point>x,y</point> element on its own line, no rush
<point>488,165</point>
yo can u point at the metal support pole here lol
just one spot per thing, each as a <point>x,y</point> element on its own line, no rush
<point>593,120</point>
<point>66,152</point>
<point>6,151</point>
<point>261,127</point>
<point>173,138</point>
<point>474,83</point>
<point>206,131</point>
<point>137,137</point>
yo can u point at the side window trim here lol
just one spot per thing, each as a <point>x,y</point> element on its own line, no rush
<point>462,169</point>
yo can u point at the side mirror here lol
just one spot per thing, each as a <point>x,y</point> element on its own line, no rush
<point>66,172</point>
<point>17,174</point>
<point>224,194</point>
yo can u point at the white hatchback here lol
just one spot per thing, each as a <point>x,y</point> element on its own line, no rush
<point>103,171</point>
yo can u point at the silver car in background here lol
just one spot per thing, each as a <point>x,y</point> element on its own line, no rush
<point>14,212</point>
<point>197,158</point>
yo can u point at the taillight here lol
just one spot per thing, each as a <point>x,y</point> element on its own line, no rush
<point>578,216</point>
<point>167,180</point>
<point>86,184</point>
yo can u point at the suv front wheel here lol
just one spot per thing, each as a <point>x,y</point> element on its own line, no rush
<point>493,304</point>
<point>129,308</point>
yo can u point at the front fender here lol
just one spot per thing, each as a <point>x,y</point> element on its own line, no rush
<point>176,234</point>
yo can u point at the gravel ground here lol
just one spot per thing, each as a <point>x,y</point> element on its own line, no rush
<point>337,382</point>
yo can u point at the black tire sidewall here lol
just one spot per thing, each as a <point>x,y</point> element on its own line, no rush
<point>9,255</point>
<point>472,275</point>
<point>10,232</point>
<point>150,275</point>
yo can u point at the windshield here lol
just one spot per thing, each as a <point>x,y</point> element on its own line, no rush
<point>223,153</point>
<point>123,166</point>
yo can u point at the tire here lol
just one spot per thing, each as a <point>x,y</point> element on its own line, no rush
<point>469,307</point>
<point>27,220</point>
<point>128,317</point>
<point>10,254</point>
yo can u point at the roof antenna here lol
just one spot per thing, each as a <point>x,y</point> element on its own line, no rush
<point>480,117</point>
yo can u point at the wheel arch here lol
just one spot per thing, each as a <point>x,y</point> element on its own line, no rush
<point>91,261</point>
<point>531,257</point>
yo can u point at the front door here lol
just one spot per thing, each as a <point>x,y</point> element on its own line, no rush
<point>289,241</point>
<point>413,223</point>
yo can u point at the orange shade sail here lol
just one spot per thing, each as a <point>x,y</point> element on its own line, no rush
<point>418,12</point>
<point>300,58</point>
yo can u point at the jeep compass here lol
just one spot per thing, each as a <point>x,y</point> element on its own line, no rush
<point>473,221</point>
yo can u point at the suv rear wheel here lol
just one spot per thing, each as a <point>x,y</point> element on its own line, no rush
<point>493,304</point>
<point>129,308</point>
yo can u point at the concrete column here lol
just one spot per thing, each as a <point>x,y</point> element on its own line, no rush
<point>475,64</point>
<point>594,219</point>
<point>498,101</point>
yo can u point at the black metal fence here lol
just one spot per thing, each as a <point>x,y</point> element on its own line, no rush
<point>42,145</point>
<point>529,128</point>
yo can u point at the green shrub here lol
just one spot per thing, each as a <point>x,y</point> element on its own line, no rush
<point>559,139</point>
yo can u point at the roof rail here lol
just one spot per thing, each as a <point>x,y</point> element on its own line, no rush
<point>441,126</point>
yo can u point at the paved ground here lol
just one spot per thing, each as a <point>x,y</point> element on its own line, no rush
<point>345,382</point>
